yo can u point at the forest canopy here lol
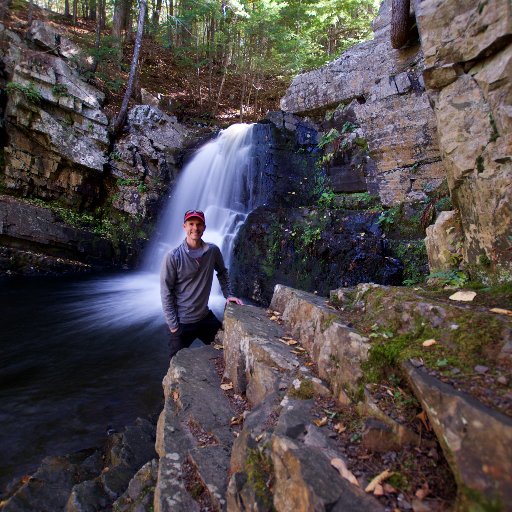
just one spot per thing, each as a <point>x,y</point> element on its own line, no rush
<point>256,41</point>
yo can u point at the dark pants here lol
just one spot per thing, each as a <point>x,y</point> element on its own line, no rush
<point>205,330</point>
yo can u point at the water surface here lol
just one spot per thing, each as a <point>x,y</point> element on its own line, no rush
<point>77,355</point>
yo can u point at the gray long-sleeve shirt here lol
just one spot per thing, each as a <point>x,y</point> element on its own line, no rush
<point>186,283</point>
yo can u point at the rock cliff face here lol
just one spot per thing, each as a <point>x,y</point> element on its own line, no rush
<point>468,75</point>
<point>57,152</point>
<point>438,108</point>
<point>385,90</point>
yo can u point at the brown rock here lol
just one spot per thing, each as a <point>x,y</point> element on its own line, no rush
<point>476,441</point>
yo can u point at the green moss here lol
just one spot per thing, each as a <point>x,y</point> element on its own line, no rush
<point>480,164</point>
<point>413,255</point>
<point>260,470</point>
<point>474,341</point>
<point>472,500</point>
<point>495,134</point>
<point>484,260</point>
<point>304,392</point>
<point>29,91</point>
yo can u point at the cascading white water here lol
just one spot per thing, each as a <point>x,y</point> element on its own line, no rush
<point>219,180</point>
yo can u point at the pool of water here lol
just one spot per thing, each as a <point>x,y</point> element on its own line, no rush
<point>77,356</point>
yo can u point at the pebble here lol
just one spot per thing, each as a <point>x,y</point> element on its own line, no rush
<point>502,380</point>
<point>455,371</point>
<point>481,369</point>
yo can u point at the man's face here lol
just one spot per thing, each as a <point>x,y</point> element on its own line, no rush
<point>194,228</point>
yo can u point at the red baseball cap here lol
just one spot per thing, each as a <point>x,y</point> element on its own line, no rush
<point>194,213</point>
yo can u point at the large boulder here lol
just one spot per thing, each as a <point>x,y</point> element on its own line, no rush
<point>468,69</point>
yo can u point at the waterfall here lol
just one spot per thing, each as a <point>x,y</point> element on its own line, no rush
<point>222,180</point>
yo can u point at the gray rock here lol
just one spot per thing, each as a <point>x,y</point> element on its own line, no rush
<point>51,485</point>
<point>256,361</point>
<point>305,481</point>
<point>193,401</point>
<point>338,350</point>
<point>140,493</point>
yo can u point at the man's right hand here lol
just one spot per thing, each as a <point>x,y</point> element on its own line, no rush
<point>175,330</point>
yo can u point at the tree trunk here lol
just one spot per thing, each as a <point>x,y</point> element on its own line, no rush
<point>92,9</point>
<point>156,15</point>
<point>75,11</point>
<point>99,23</point>
<point>399,23</point>
<point>119,20</point>
<point>118,124</point>
<point>66,8</point>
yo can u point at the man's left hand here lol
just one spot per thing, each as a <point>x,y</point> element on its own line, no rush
<point>236,300</point>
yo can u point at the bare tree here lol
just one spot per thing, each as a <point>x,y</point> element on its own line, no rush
<point>118,123</point>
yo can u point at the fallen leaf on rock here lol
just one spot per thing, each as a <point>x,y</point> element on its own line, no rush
<point>175,396</point>
<point>379,490</point>
<point>423,491</point>
<point>463,295</point>
<point>339,427</point>
<point>236,420</point>
<point>216,346</point>
<point>288,341</point>
<point>422,416</point>
<point>273,318</point>
<point>501,311</point>
<point>341,467</point>
<point>309,363</point>
<point>381,477</point>
<point>258,438</point>
<point>429,343</point>
<point>321,422</point>
<point>227,386</point>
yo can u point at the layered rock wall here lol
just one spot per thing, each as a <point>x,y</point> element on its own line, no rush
<point>57,150</point>
<point>386,91</point>
<point>468,75</point>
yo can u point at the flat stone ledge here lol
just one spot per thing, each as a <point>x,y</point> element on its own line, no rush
<point>257,363</point>
<point>476,440</point>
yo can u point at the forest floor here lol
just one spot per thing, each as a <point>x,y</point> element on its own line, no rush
<point>190,92</point>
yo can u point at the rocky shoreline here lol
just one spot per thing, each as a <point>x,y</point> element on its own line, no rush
<point>280,414</point>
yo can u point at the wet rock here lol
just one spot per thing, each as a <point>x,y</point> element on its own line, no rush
<point>140,493</point>
<point>479,368</point>
<point>42,229</point>
<point>348,249</point>
<point>128,452</point>
<point>50,486</point>
<point>476,440</point>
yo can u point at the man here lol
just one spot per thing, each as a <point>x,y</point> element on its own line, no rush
<point>186,282</point>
